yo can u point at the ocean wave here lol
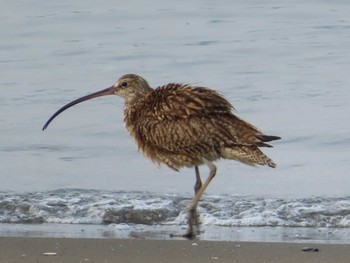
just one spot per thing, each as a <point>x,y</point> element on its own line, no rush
<point>78,206</point>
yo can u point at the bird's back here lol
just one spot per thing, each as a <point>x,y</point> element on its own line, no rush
<point>181,125</point>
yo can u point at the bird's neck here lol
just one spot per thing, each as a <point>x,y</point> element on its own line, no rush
<point>132,117</point>
<point>133,109</point>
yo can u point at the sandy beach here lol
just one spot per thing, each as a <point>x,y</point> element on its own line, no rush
<point>30,249</point>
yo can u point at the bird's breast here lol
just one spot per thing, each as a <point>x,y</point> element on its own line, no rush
<point>136,124</point>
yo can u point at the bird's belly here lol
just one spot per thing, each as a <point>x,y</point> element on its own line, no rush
<point>172,159</point>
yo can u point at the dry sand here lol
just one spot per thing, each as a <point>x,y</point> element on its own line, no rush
<point>29,249</point>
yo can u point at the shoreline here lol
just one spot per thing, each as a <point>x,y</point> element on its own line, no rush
<point>40,249</point>
<point>163,232</point>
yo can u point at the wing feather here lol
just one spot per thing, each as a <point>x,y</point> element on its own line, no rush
<point>181,125</point>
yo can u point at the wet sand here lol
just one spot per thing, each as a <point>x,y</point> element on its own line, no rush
<point>30,249</point>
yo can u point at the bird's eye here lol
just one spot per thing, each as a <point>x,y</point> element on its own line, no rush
<point>124,84</point>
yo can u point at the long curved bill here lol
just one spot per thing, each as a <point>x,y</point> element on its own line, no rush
<point>108,91</point>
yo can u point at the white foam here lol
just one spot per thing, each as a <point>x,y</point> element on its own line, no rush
<point>74,206</point>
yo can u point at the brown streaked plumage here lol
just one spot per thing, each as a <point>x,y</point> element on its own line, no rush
<point>185,126</point>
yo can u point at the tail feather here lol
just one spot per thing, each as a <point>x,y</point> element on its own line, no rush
<point>250,155</point>
<point>267,138</point>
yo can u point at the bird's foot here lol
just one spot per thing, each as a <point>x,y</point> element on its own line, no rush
<point>193,226</point>
<point>188,235</point>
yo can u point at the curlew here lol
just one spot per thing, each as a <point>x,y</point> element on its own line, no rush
<point>184,126</point>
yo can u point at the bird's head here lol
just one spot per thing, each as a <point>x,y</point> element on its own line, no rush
<point>129,86</point>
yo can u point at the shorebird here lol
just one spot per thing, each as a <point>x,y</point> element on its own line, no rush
<point>184,126</point>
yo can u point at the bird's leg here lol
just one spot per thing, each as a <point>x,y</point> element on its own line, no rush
<point>198,184</point>
<point>192,214</point>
